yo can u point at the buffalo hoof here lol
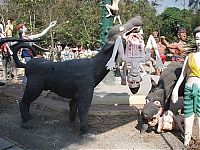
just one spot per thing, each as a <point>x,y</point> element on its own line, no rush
<point>84,130</point>
<point>144,128</point>
<point>26,126</point>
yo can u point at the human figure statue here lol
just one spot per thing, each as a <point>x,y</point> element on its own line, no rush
<point>167,121</point>
<point>178,49</point>
<point>1,24</point>
<point>161,50</point>
<point>190,71</point>
<point>9,28</point>
<point>134,54</point>
<point>113,10</point>
<point>26,53</point>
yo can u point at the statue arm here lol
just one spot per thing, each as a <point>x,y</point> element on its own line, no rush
<point>171,46</point>
<point>117,47</point>
<point>174,97</point>
<point>151,43</point>
<point>52,24</point>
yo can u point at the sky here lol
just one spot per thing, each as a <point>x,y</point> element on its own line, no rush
<point>171,3</point>
<point>164,4</point>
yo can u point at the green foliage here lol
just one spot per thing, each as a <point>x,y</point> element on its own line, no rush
<point>195,20</point>
<point>173,19</point>
<point>78,21</point>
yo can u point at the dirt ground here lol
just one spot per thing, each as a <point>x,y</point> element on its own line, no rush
<point>51,129</point>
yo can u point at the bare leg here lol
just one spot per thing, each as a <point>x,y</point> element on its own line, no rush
<point>114,20</point>
<point>108,7</point>
<point>188,124</point>
<point>118,17</point>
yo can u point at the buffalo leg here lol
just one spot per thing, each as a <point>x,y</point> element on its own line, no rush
<point>34,88</point>
<point>73,110</point>
<point>83,108</point>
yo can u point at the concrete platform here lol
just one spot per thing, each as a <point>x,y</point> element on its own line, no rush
<point>115,93</point>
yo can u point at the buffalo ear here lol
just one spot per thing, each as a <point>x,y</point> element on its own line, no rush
<point>153,83</point>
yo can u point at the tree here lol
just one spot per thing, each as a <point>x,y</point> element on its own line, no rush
<point>78,21</point>
<point>194,4</point>
<point>172,19</point>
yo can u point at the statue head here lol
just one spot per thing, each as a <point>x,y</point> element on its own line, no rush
<point>22,28</point>
<point>197,37</point>
<point>182,34</point>
<point>156,36</point>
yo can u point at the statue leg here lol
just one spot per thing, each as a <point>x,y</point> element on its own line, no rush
<point>124,68</point>
<point>108,7</point>
<point>188,125</point>
<point>119,19</point>
<point>190,107</point>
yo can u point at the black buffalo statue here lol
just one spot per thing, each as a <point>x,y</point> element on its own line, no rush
<point>159,96</point>
<point>72,79</point>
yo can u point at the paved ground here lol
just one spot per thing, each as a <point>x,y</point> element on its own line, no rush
<point>113,120</point>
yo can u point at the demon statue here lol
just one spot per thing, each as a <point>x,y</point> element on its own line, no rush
<point>134,54</point>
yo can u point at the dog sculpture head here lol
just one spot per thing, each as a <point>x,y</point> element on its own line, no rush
<point>158,98</point>
<point>155,101</point>
<point>154,107</point>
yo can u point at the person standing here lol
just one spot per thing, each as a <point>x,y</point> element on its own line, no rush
<point>9,33</point>
<point>5,57</point>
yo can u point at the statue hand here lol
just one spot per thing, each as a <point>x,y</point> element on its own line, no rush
<point>110,64</point>
<point>52,24</point>
<point>174,96</point>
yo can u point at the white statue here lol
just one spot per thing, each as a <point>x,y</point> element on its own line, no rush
<point>190,70</point>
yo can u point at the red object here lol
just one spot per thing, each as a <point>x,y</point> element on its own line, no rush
<point>163,58</point>
<point>3,48</point>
